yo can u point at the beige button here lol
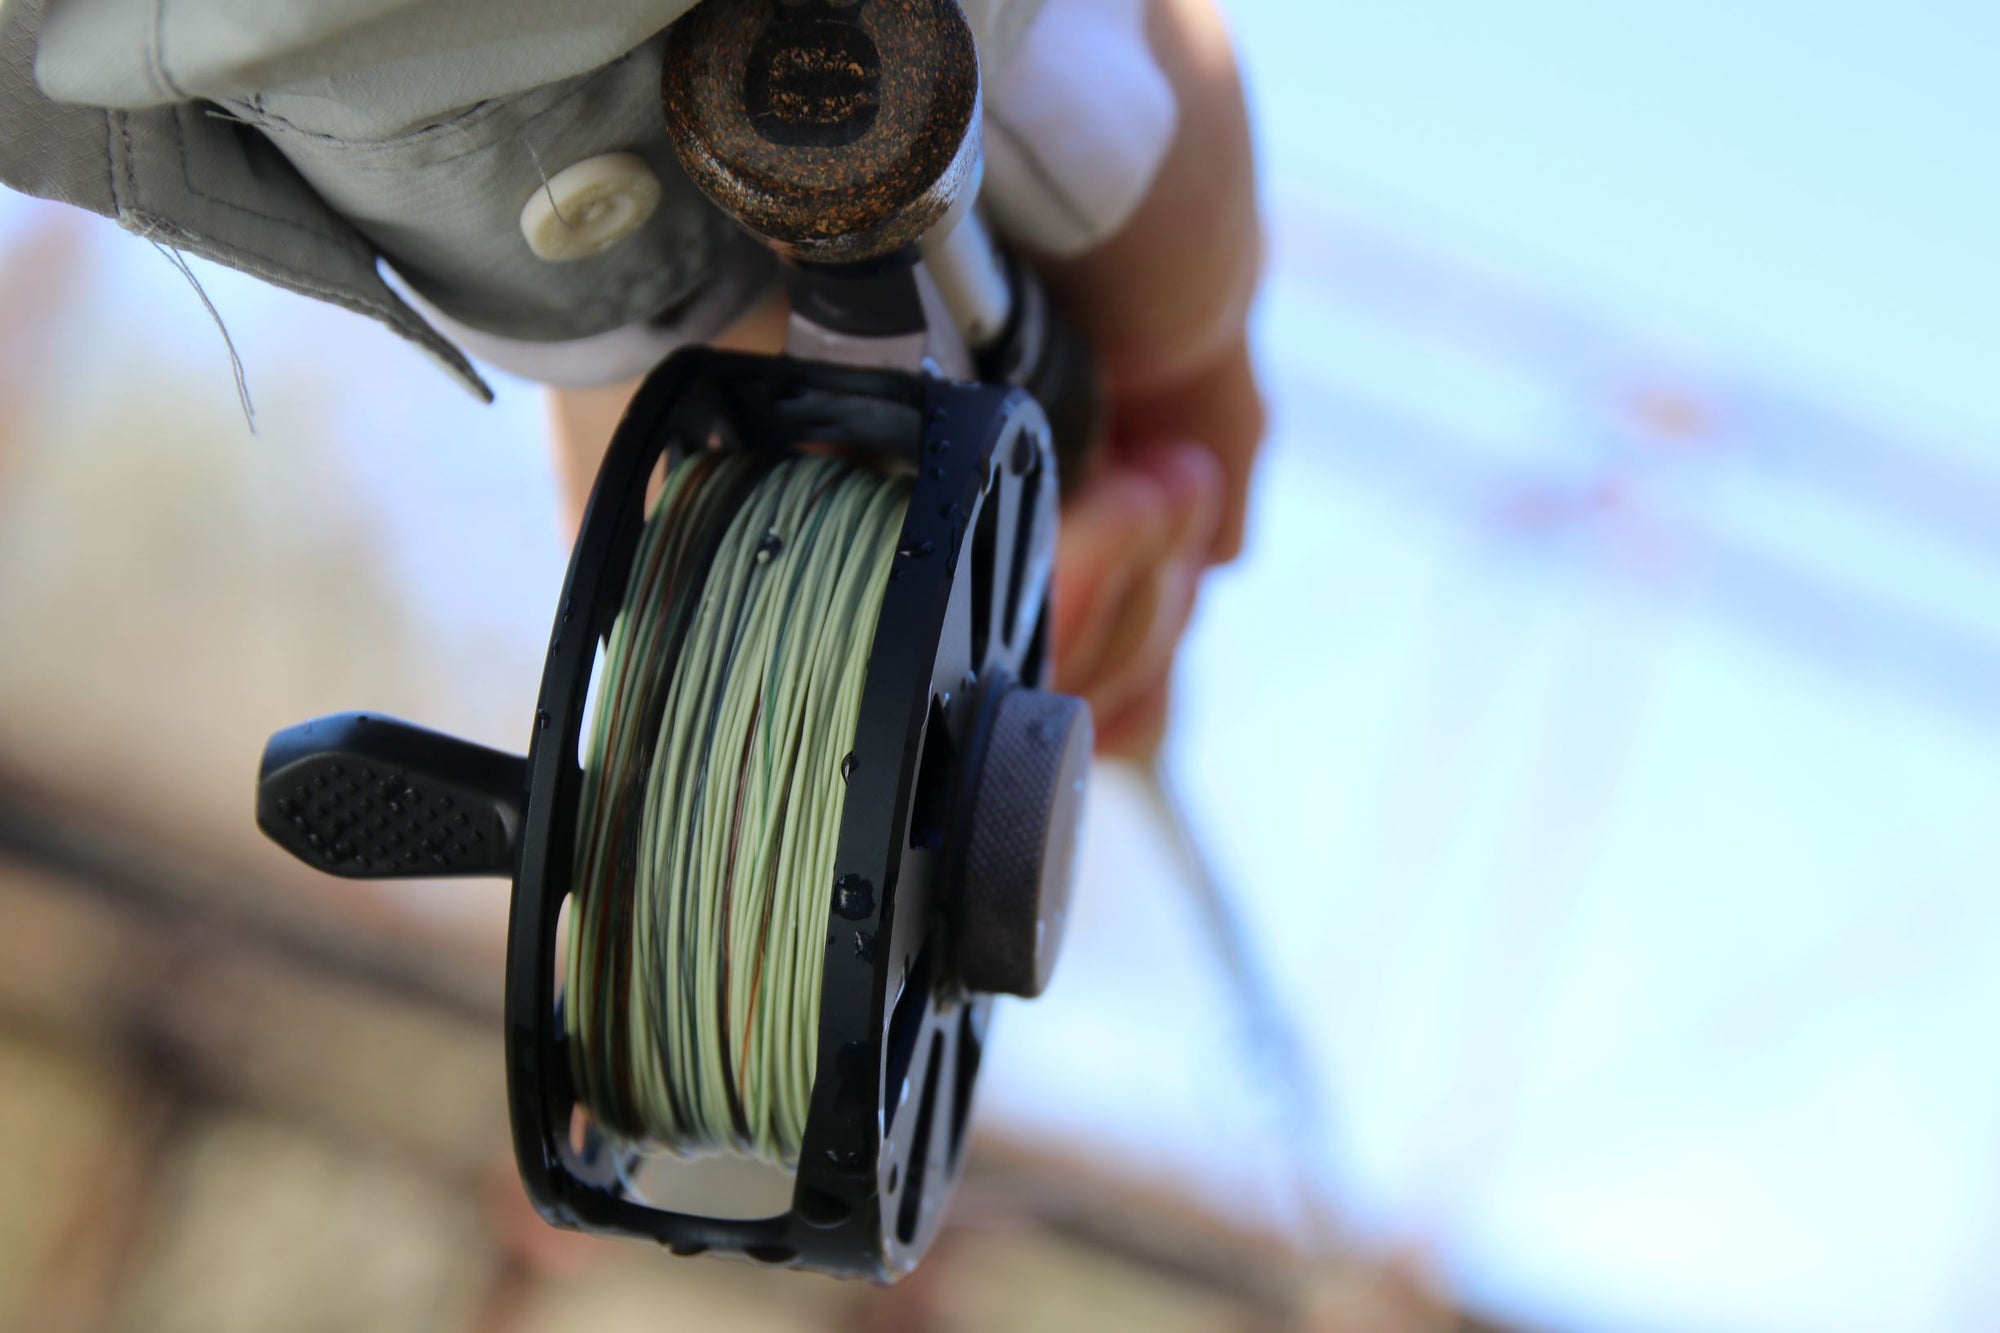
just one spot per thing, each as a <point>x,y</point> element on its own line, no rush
<point>588,208</point>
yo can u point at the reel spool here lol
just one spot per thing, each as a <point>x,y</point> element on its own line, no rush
<point>955,838</point>
<point>960,778</point>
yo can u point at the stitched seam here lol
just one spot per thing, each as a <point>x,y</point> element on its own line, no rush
<point>152,46</point>
<point>585,83</point>
<point>155,68</point>
<point>131,178</point>
<point>266,117</point>
<point>347,241</point>
<point>160,49</point>
<point>617,304</point>
<point>111,119</point>
<point>1040,171</point>
<point>397,318</point>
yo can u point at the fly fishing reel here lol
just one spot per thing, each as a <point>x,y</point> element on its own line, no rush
<point>795,805</point>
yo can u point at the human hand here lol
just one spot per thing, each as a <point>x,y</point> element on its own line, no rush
<point>1164,306</point>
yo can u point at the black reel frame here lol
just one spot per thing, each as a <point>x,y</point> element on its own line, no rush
<point>964,616</point>
<point>899,1039</point>
<point>964,619</point>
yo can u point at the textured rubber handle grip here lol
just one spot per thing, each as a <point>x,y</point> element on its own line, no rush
<point>1020,861</point>
<point>369,797</point>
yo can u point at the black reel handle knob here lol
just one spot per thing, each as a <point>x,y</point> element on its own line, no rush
<point>367,797</point>
<point>839,131</point>
<point>1021,857</point>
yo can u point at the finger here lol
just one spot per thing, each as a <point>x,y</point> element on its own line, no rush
<point>1137,728</point>
<point>1195,484</point>
<point>1139,648</point>
<point>1136,542</point>
<point>1112,531</point>
<point>1127,624</point>
<point>1223,408</point>
<point>1146,658</point>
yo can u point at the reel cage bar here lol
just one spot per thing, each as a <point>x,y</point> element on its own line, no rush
<point>963,618</point>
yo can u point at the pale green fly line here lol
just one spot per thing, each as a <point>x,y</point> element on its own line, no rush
<point>714,777</point>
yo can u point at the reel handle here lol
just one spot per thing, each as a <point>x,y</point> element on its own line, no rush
<point>839,131</point>
<point>368,797</point>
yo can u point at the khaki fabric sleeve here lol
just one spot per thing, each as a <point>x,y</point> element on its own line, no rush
<point>308,142</point>
<point>195,182</point>
<point>356,69</point>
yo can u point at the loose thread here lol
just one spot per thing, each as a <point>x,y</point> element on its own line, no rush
<point>180,263</point>
<point>548,189</point>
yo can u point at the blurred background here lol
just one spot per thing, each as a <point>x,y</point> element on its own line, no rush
<point>1600,741</point>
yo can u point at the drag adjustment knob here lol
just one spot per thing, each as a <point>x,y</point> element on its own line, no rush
<point>1020,857</point>
<point>837,130</point>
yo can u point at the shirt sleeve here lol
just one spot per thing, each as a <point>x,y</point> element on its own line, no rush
<point>1078,123</point>
<point>312,142</point>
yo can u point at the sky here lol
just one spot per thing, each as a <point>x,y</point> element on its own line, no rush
<point>1618,802</point>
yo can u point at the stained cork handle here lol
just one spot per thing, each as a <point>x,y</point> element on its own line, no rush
<point>840,131</point>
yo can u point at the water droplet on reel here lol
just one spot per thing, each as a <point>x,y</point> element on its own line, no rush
<point>854,898</point>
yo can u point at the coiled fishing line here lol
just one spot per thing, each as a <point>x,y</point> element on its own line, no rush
<point>713,785</point>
